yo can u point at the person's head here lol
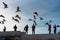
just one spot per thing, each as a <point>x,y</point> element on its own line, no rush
<point>54,24</point>
<point>33,24</point>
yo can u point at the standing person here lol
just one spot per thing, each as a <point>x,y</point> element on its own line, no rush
<point>54,28</point>
<point>4,29</point>
<point>33,29</point>
<point>15,28</point>
<point>49,29</point>
<point>26,29</point>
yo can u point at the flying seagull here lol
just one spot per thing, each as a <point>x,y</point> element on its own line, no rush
<point>5,5</point>
<point>18,9</point>
<point>41,18</point>
<point>15,19</point>
<point>18,17</point>
<point>30,19</point>
<point>46,23</point>
<point>36,13</point>
<point>3,21</point>
<point>58,26</point>
<point>35,22</point>
<point>34,16</point>
<point>2,16</point>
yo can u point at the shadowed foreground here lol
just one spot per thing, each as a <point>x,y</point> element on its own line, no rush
<point>17,35</point>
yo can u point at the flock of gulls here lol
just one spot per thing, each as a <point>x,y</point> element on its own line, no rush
<point>17,16</point>
<point>13,18</point>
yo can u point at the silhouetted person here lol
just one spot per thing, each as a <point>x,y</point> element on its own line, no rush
<point>26,29</point>
<point>34,16</point>
<point>18,9</point>
<point>15,19</point>
<point>2,16</point>
<point>5,5</point>
<point>49,27</point>
<point>36,13</point>
<point>18,17</point>
<point>41,18</point>
<point>33,29</point>
<point>4,29</point>
<point>55,29</point>
<point>15,28</point>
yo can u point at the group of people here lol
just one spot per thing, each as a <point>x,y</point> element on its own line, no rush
<point>54,27</point>
<point>49,29</point>
<point>15,28</point>
<point>33,28</point>
<point>26,29</point>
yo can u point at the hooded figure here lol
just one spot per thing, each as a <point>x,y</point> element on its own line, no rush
<point>49,27</point>
<point>26,29</point>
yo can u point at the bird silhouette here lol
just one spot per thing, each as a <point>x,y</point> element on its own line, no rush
<point>18,17</point>
<point>58,26</point>
<point>15,19</point>
<point>35,22</point>
<point>4,20</point>
<point>36,13</point>
<point>5,5</point>
<point>46,23</point>
<point>34,16</point>
<point>41,18</point>
<point>0,22</point>
<point>18,9</point>
<point>2,16</point>
<point>30,19</point>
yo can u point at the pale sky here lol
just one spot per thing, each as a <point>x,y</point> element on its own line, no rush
<point>48,9</point>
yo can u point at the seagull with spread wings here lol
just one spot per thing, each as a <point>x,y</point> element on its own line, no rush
<point>34,16</point>
<point>2,16</point>
<point>36,13</point>
<point>18,17</point>
<point>15,19</point>
<point>35,22</point>
<point>18,9</point>
<point>30,19</point>
<point>5,5</point>
<point>41,18</point>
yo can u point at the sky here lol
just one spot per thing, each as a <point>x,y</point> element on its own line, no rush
<point>48,9</point>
